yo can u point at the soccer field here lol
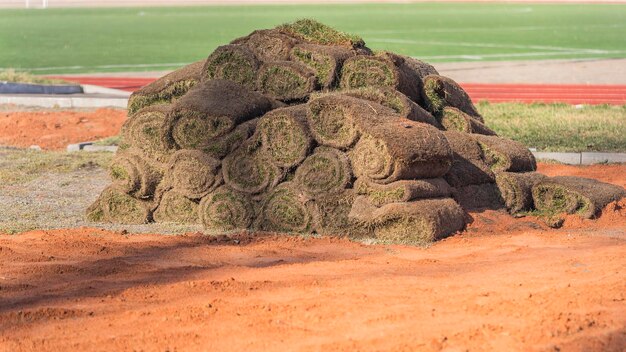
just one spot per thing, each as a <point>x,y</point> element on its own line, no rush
<point>136,39</point>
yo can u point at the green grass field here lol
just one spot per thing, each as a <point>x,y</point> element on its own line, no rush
<point>133,39</point>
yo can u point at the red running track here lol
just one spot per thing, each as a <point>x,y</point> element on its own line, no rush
<point>524,93</point>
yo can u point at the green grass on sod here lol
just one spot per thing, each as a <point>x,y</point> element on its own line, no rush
<point>559,127</point>
<point>134,39</point>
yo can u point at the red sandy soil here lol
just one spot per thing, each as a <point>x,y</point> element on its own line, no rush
<point>504,284</point>
<point>55,129</point>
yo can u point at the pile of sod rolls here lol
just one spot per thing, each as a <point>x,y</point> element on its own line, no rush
<point>303,129</point>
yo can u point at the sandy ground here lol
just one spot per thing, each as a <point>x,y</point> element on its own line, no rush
<point>54,129</point>
<point>519,287</point>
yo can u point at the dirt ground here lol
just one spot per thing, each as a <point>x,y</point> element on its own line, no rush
<point>53,129</point>
<point>503,284</point>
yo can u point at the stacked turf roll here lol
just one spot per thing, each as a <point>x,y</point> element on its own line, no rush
<point>303,129</point>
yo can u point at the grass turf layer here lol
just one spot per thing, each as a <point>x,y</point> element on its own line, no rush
<point>73,42</point>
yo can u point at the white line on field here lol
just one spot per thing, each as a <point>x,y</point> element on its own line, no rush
<point>491,56</point>
<point>175,64</point>
<point>486,45</point>
<point>479,29</point>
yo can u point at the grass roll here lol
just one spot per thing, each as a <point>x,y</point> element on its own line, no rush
<point>384,69</point>
<point>330,214</point>
<point>175,207</point>
<point>225,210</point>
<point>336,119</point>
<point>249,170</point>
<point>286,80</point>
<point>311,31</point>
<point>211,110</point>
<point>402,191</point>
<point>453,119</point>
<point>134,174</point>
<point>439,92</point>
<point>468,165</point>
<point>232,62</point>
<point>224,145</point>
<point>192,173</point>
<point>285,135</point>
<point>116,206</point>
<point>479,197</point>
<point>324,172</point>
<point>574,195</point>
<point>325,61</point>
<point>167,88</point>
<point>393,99</point>
<point>268,44</point>
<point>503,154</point>
<point>145,130</point>
<point>419,222</point>
<point>400,149</point>
<point>516,189</point>
<point>285,210</point>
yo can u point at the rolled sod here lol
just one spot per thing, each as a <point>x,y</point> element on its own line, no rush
<point>574,195</point>
<point>134,174</point>
<point>393,99</point>
<point>325,61</point>
<point>225,209</point>
<point>479,197</point>
<point>224,145</point>
<point>311,31</point>
<point>166,88</point>
<point>175,207</point>
<point>211,110</point>
<point>232,62</point>
<point>268,44</point>
<point>336,119</point>
<point>286,80</point>
<point>326,171</point>
<point>249,170</point>
<point>516,189</point>
<point>400,149</point>
<point>330,214</point>
<point>285,135</point>
<point>382,70</point>
<point>503,154</point>
<point>453,119</point>
<point>192,173</point>
<point>285,210</point>
<point>402,191</point>
<point>468,166</point>
<point>420,68</point>
<point>116,206</point>
<point>439,92</point>
<point>144,130</point>
<point>418,222</point>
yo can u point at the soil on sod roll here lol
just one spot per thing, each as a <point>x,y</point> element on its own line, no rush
<point>468,164</point>
<point>211,110</point>
<point>574,195</point>
<point>503,154</point>
<point>268,44</point>
<point>303,129</point>
<point>167,88</point>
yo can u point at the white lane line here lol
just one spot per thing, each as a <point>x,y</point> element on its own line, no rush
<point>505,55</point>
<point>485,45</point>
<point>480,29</point>
<point>52,68</point>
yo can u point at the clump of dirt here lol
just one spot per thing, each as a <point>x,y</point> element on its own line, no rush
<point>283,123</point>
<point>53,129</point>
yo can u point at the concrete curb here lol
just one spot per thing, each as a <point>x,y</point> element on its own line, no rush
<point>76,101</point>
<point>583,158</point>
